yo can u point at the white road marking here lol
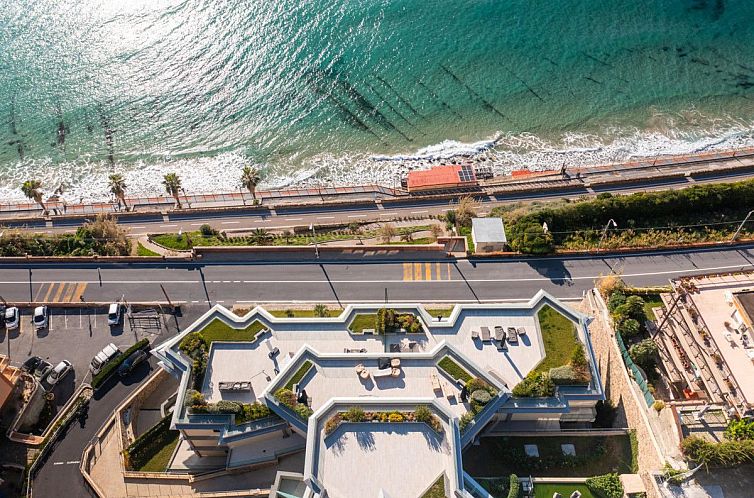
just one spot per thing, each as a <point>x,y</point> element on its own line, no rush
<point>168,226</point>
<point>136,226</point>
<point>229,222</point>
<point>357,216</point>
<point>325,217</point>
<point>193,224</point>
<point>419,212</point>
<point>388,214</point>
<point>293,219</point>
<point>70,462</point>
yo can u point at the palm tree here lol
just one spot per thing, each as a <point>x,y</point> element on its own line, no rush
<point>250,179</point>
<point>118,188</point>
<point>32,189</point>
<point>172,183</point>
<point>320,310</point>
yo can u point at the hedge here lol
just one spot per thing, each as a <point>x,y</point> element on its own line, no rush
<point>726,453</point>
<point>606,486</point>
<point>113,364</point>
<point>303,370</point>
<point>515,487</point>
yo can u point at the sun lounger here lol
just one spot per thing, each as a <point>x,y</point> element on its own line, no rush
<point>475,334</point>
<point>485,334</point>
<point>362,371</point>
<point>436,386</point>
<point>499,334</point>
<point>395,372</point>
<point>388,372</point>
<point>449,394</point>
<point>512,335</point>
<point>395,363</point>
<point>521,331</point>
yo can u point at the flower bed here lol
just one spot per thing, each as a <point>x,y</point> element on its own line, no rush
<point>300,373</point>
<point>244,412</point>
<point>287,398</point>
<point>356,414</point>
<point>453,369</point>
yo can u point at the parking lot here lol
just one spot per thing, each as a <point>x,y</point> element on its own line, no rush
<point>77,334</point>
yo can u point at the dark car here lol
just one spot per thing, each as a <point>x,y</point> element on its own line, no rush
<point>132,362</point>
<point>31,364</point>
<point>43,368</point>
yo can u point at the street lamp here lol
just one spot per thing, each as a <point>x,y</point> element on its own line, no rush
<point>314,234</point>
<point>735,235</point>
<point>604,232</point>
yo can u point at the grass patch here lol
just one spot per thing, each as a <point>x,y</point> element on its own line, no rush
<point>174,241</point>
<point>160,460</point>
<point>548,490</point>
<point>419,241</point>
<point>454,369</point>
<point>143,251</point>
<point>651,301</point>
<point>299,374</point>
<point>559,336</point>
<point>595,455</point>
<point>220,331</point>
<point>361,322</point>
<point>302,313</point>
<point>443,312</point>
<point>437,490</point>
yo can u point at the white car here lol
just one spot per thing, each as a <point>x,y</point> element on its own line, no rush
<point>12,318</point>
<point>60,371</point>
<point>108,353</point>
<point>40,317</point>
<point>113,314</point>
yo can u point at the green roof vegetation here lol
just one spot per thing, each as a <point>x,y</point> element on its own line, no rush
<point>303,370</point>
<point>437,490</point>
<point>443,312</point>
<point>143,251</point>
<point>454,369</point>
<point>559,336</point>
<point>361,322</point>
<point>291,313</point>
<point>218,330</point>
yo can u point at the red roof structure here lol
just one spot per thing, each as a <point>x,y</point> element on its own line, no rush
<point>439,177</point>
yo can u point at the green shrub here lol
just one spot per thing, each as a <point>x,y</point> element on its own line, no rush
<point>423,414</point>
<point>727,453</point>
<point>530,238</point>
<point>629,328</point>
<point>535,385</point>
<point>332,423</point>
<point>644,354</point>
<point>224,406</point>
<point>303,411</point>
<point>617,298</point>
<point>354,414</point>
<point>606,486</point>
<point>194,397</point>
<point>111,366</point>
<point>740,429</point>
<point>481,397</point>
<point>633,308</point>
<point>565,375</point>
<point>465,420</point>
<point>476,384</point>
<point>578,357</point>
<point>148,444</point>
<point>207,231</point>
<point>253,411</point>
<point>515,487</point>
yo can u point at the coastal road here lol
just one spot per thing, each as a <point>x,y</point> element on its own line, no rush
<point>439,281</point>
<point>289,216</point>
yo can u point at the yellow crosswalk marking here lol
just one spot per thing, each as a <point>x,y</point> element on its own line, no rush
<point>61,287</point>
<point>39,293</point>
<point>428,267</point>
<point>438,271</point>
<point>449,274</point>
<point>408,272</point>
<point>80,288</point>
<point>417,271</point>
<point>69,293</point>
<point>49,290</point>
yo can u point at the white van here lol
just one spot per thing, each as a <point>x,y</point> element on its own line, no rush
<point>100,359</point>
<point>113,313</point>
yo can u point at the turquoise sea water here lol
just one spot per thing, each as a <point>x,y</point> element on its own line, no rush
<point>316,88</point>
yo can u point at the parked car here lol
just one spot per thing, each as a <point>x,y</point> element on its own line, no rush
<point>12,318</point>
<point>60,371</point>
<point>114,313</point>
<point>132,362</point>
<point>100,359</point>
<point>31,364</point>
<point>43,368</point>
<point>40,317</point>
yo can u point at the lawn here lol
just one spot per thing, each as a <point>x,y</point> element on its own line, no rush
<point>143,251</point>
<point>651,301</point>
<point>299,374</point>
<point>418,241</point>
<point>559,336</point>
<point>595,455</point>
<point>219,331</point>
<point>174,241</point>
<point>437,490</point>
<point>443,312</point>
<point>547,490</point>
<point>361,322</point>
<point>160,460</point>
<point>454,369</point>
<point>302,313</point>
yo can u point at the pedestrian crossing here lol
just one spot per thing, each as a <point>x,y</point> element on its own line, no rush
<point>60,292</point>
<point>413,272</point>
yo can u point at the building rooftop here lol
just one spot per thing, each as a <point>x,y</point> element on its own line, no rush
<point>440,176</point>
<point>488,230</point>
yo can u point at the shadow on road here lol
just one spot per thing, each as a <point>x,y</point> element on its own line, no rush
<point>552,269</point>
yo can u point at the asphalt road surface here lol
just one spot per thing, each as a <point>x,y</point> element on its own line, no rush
<point>446,281</point>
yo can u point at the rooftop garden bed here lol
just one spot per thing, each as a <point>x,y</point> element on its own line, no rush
<point>244,412</point>
<point>362,321</point>
<point>437,490</point>
<point>594,455</point>
<point>565,360</point>
<point>480,394</point>
<point>386,321</point>
<point>548,490</point>
<point>317,312</point>
<point>218,330</point>
<point>452,368</point>
<point>287,398</point>
<point>443,312</point>
<point>300,373</point>
<point>357,414</point>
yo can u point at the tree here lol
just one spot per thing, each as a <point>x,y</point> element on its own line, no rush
<point>628,328</point>
<point>287,234</point>
<point>387,232</point>
<point>436,231</point>
<point>633,308</point>
<point>32,189</point>
<point>617,298</point>
<point>172,184</point>
<point>250,179</point>
<point>465,211</point>
<point>450,218</point>
<point>117,186</point>
<point>260,237</point>
<point>407,237</point>
<point>531,239</point>
<point>644,354</point>
<point>320,310</point>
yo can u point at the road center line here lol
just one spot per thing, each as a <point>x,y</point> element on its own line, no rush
<point>357,216</point>
<point>229,222</point>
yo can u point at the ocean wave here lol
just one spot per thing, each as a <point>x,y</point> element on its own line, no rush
<point>87,180</point>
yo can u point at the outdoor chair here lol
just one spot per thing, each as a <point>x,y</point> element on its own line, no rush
<point>485,334</point>
<point>512,335</point>
<point>474,334</point>
<point>395,363</point>
<point>576,494</point>
<point>499,334</point>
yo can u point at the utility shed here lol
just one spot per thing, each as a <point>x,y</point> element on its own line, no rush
<point>488,234</point>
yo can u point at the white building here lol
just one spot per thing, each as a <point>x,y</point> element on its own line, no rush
<point>488,234</point>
